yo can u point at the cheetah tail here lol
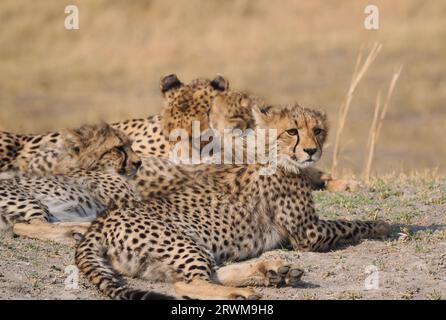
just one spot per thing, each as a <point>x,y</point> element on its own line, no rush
<point>92,262</point>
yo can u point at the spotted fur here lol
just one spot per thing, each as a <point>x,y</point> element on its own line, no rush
<point>213,214</point>
<point>90,147</point>
<point>185,103</point>
<point>76,195</point>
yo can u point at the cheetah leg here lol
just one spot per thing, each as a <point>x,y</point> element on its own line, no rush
<point>205,290</point>
<point>57,232</point>
<point>171,252</point>
<point>325,234</point>
<point>339,185</point>
<point>197,281</point>
<point>320,180</point>
<point>317,178</point>
<point>13,211</point>
<point>270,272</point>
<point>193,265</point>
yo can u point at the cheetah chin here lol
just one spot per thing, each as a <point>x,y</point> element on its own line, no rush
<point>290,165</point>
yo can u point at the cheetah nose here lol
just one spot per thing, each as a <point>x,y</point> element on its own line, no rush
<point>137,164</point>
<point>310,151</point>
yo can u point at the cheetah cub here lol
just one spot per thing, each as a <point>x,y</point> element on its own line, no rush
<point>221,213</point>
<point>89,147</point>
<point>51,207</point>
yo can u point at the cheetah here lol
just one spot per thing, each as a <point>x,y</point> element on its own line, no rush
<point>232,111</point>
<point>50,207</point>
<point>87,147</point>
<point>184,236</point>
<point>185,103</point>
<point>36,153</point>
<point>233,114</point>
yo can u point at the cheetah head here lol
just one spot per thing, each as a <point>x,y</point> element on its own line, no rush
<point>301,133</point>
<point>99,147</point>
<point>231,110</point>
<point>186,103</point>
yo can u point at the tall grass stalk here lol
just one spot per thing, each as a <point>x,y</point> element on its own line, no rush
<point>378,119</point>
<point>358,74</point>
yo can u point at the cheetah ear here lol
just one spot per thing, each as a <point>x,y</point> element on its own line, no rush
<point>218,104</point>
<point>220,83</point>
<point>323,119</point>
<point>73,141</point>
<point>79,139</point>
<point>263,115</point>
<point>170,82</point>
<point>217,111</point>
<point>323,115</point>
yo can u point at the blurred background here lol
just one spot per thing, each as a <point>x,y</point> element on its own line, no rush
<point>285,51</point>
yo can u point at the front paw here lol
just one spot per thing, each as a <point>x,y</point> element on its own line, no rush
<point>340,185</point>
<point>280,274</point>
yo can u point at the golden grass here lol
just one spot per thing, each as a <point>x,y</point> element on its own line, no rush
<point>358,74</point>
<point>378,119</point>
<point>395,78</point>
<point>372,138</point>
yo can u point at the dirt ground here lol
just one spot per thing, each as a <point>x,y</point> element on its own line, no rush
<point>410,264</point>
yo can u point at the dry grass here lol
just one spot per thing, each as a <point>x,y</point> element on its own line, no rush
<point>51,78</point>
<point>372,138</point>
<point>377,123</point>
<point>358,74</point>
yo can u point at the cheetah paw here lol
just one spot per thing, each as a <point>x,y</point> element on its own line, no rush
<point>340,185</point>
<point>200,289</point>
<point>244,294</point>
<point>279,274</point>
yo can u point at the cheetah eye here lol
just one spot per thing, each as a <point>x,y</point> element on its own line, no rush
<point>292,132</point>
<point>317,131</point>
<point>76,150</point>
<point>120,149</point>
